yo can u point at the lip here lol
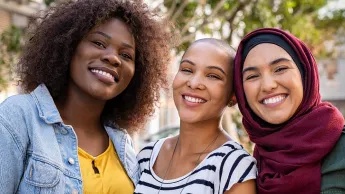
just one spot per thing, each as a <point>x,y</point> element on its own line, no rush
<point>103,78</point>
<point>192,104</point>
<point>193,95</point>
<point>273,104</point>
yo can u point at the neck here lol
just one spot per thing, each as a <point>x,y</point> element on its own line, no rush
<point>80,110</point>
<point>196,136</point>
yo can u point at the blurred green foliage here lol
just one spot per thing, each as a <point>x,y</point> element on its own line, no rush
<point>11,42</point>
<point>48,2</point>
<point>239,17</point>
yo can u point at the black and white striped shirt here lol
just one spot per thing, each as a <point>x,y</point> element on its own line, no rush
<point>222,168</point>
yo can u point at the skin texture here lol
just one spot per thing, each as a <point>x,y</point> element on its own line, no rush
<point>109,46</point>
<point>269,71</point>
<point>205,75</point>
<point>204,72</point>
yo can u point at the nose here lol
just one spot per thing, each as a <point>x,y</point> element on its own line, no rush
<point>268,83</point>
<point>195,82</point>
<point>111,57</point>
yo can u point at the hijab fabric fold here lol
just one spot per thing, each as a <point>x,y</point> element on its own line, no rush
<point>289,155</point>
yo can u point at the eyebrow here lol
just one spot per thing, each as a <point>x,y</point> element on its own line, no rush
<point>109,37</point>
<point>103,34</point>
<point>187,61</point>
<point>274,62</point>
<point>215,67</point>
<point>208,67</point>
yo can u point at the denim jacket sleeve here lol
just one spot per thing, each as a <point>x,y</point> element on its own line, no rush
<point>13,145</point>
<point>11,159</point>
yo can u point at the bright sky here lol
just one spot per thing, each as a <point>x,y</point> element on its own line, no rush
<point>332,5</point>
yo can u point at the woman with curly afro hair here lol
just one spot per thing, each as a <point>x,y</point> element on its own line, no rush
<point>91,72</point>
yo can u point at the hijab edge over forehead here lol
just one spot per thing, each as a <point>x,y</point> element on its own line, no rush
<point>272,39</point>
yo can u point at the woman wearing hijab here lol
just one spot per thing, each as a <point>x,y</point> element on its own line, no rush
<point>299,140</point>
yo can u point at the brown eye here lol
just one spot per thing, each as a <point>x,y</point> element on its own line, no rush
<point>99,44</point>
<point>212,76</point>
<point>127,56</point>
<point>281,69</point>
<point>251,77</point>
<point>186,70</point>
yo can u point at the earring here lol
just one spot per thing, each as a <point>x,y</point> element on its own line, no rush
<point>232,102</point>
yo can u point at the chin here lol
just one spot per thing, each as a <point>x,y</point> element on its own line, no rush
<point>188,119</point>
<point>103,94</point>
<point>275,120</point>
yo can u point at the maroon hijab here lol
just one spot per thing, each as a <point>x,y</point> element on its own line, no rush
<point>289,155</point>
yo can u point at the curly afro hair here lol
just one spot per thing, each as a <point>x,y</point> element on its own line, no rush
<point>55,36</point>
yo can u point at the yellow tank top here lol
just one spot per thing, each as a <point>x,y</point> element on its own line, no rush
<point>104,174</point>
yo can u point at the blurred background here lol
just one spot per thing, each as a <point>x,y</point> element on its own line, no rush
<point>319,23</point>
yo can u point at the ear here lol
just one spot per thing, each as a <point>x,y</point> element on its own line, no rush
<point>233,101</point>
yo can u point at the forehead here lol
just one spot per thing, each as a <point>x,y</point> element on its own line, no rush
<point>115,27</point>
<point>204,53</point>
<point>265,53</point>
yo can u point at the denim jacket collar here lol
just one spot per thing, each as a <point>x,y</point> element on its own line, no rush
<point>120,138</point>
<point>45,105</point>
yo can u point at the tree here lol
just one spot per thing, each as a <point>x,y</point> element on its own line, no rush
<point>302,18</point>
<point>231,19</point>
<point>10,47</point>
<point>211,17</point>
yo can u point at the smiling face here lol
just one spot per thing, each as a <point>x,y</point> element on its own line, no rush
<point>203,83</point>
<point>104,61</point>
<point>272,83</point>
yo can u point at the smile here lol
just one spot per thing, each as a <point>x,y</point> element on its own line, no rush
<point>274,99</point>
<point>193,99</point>
<point>102,73</point>
<point>105,74</point>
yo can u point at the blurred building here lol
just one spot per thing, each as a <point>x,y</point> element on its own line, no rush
<point>16,13</point>
<point>332,79</point>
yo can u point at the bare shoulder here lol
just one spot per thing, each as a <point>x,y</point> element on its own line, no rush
<point>164,155</point>
<point>169,144</point>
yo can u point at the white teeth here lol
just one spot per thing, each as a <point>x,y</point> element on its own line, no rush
<point>274,100</point>
<point>102,73</point>
<point>194,100</point>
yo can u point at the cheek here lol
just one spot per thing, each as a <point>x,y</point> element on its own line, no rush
<point>221,92</point>
<point>129,73</point>
<point>298,93</point>
<point>250,92</point>
<point>178,81</point>
<point>293,82</point>
<point>74,67</point>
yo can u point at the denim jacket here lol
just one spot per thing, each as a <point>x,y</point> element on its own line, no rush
<point>39,153</point>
